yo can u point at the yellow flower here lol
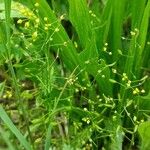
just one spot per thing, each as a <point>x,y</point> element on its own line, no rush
<point>37,20</point>
<point>132,33</point>
<point>9,94</point>
<point>19,21</point>
<point>125,77</point>
<point>27,24</point>
<point>62,17</point>
<point>45,18</point>
<point>34,35</point>
<point>136,91</point>
<point>56,29</point>
<point>36,4</point>
<point>142,91</point>
<point>45,28</point>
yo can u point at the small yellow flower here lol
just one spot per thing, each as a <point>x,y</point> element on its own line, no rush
<point>99,71</point>
<point>45,18</point>
<point>51,39</point>
<point>38,140</point>
<point>106,44</point>
<point>103,76</point>
<point>57,30</point>
<point>114,118</point>
<point>104,49</point>
<point>34,35</point>
<point>29,14</point>
<point>76,90</point>
<point>36,4</point>
<point>4,96</point>
<point>128,83</point>
<point>37,20</point>
<point>110,53</point>
<point>132,33</point>
<point>134,118</point>
<point>90,11</point>
<point>87,62</point>
<point>114,70</point>
<point>136,91</point>
<point>9,94</point>
<point>61,17</point>
<point>19,21</point>
<point>46,28</point>
<point>135,32</point>
<point>93,15</point>
<point>142,91</point>
<point>85,109</point>
<point>75,44</point>
<point>48,25</point>
<point>125,77</point>
<point>27,24</point>
<point>88,121</point>
<point>65,43</point>
<point>23,84</point>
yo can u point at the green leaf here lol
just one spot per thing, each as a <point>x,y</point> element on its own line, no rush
<point>79,17</point>
<point>100,71</point>
<point>89,58</point>
<point>14,11</point>
<point>144,102</point>
<point>144,130</point>
<point>142,38</point>
<point>118,8</point>
<point>117,138</point>
<point>67,147</point>
<point>103,29</point>
<point>12,127</point>
<point>2,87</point>
<point>90,52</point>
<point>136,16</point>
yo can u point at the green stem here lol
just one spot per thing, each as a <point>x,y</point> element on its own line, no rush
<point>10,65</point>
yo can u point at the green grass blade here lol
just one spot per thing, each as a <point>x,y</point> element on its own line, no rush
<point>118,8</point>
<point>79,16</point>
<point>102,32</point>
<point>134,61</point>
<point>142,38</point>
<point>6,139</point>
<point>7,23</point>
<point>137,15</point>
<point>12,127</point>
<point>48,138</point>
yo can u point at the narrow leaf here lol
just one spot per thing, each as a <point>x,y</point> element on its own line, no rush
<point>12,127</point>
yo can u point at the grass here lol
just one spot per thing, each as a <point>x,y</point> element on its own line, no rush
<point>74,74</point>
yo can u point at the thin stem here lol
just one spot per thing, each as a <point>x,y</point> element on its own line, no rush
<point>10,66</point>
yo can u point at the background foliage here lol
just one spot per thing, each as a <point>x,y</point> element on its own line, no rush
<point>74,74</point>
